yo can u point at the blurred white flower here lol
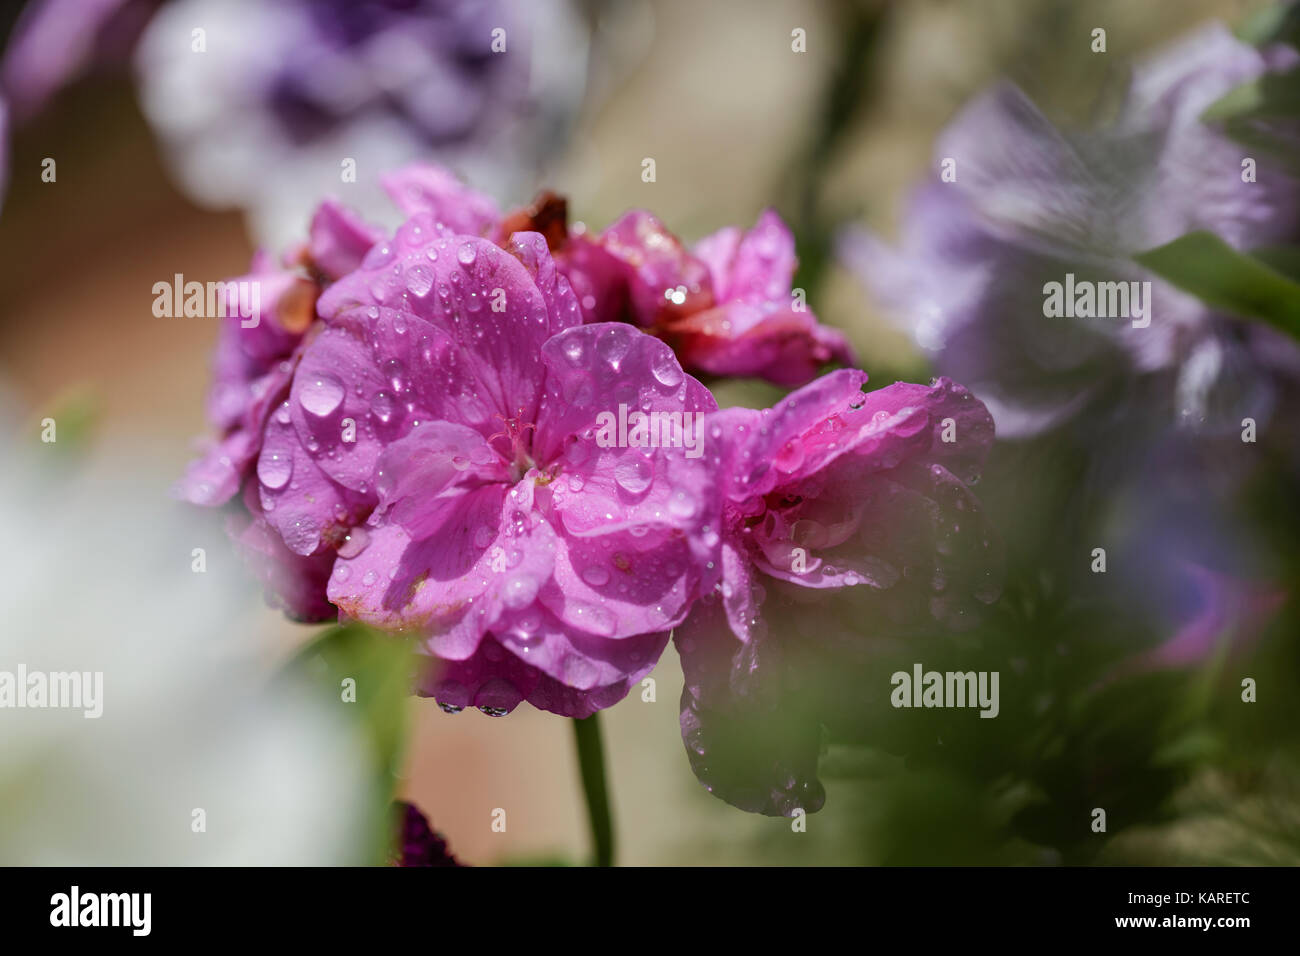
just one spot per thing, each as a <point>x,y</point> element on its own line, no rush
<point>99,577</point>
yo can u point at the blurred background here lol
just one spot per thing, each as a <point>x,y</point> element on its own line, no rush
<point>736,122</point>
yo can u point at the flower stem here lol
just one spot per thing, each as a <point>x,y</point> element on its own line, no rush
<point>591,760</point>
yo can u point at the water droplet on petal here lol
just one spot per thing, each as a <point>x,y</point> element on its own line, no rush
<point>665,368</point>
<point>595,575</point>
<point>321,395</point>
<point>382,406</point>
<point>573,349</point>
<point>419,280</point>
<point>354,543</point>
<point>275,466</point>
<point>379,255</point>
<point>613,345</point>
<point>634,473</point>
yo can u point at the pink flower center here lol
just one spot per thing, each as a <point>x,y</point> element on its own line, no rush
<point>518,445</point>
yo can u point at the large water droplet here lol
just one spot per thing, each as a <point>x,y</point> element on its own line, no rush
<point>275,466</point>
<point>354,543</point>
<point>573,349</point>
<point>634,473</point>
<point>466,254</point>
<point>321,395</point>
<point>595,575</point>
<point>613,345</point>
<point>382,406</point>
<point>665,368</point>
<point>396,373</point>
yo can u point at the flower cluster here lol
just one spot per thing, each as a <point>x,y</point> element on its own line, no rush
<point>419,435</point>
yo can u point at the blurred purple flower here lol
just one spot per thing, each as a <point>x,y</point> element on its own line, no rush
<point>287,100</point>
<point>1032,202</point>
<point>831,490</point>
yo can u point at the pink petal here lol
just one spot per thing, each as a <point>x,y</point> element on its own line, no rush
<point>425,188</point>
<point>339,239</point>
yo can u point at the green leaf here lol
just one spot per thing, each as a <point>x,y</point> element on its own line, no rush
<point>1204,265</point>
<point>1272,95</point>
<point>1278,23</point>
<point>1250,113</point>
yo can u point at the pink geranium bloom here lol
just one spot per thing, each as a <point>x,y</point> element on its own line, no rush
<point>837,491</point>
<point>536,562</point>
<point>727,307</point>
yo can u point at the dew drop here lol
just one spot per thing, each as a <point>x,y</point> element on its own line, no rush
<point>382,406</point>
<point>419,280</point>
<point>274,467</point>
<point>665,368</point>
<point>378,256</point>
<point>573,349</point>
<point>595,575</point>
<point>613,345</point>
<point>321,395</point>
<point>633,473</point>
<point>354,543</point>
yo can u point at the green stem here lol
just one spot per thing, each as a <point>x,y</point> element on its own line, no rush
<point>591,760</point>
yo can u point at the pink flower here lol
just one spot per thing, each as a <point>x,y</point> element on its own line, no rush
<point>538,561</point>
<point>833,490</point>
<point>256,358</point>
<point>727,308</point>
